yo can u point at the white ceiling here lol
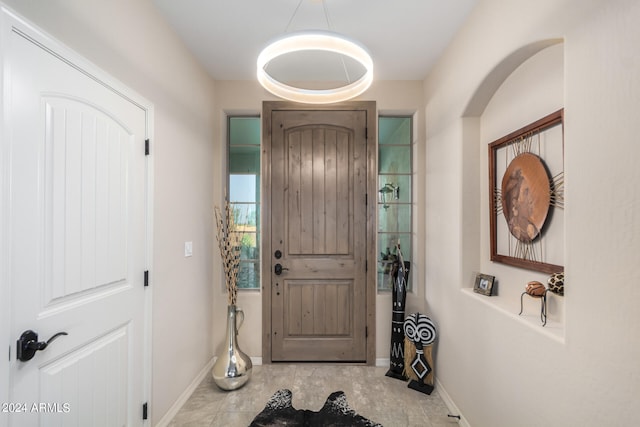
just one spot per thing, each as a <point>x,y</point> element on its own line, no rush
<point>404,37</point>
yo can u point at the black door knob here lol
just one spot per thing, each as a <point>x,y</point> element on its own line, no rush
<point>278,268</point>
<point>28,344</point>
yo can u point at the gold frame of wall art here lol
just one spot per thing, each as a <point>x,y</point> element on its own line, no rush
<point>530,192</point>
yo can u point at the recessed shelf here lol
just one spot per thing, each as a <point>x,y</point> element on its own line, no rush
<point>531,318</point>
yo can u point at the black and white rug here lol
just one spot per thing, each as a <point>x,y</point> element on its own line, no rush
<point>335,413</point>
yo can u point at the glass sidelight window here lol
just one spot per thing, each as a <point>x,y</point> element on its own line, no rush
<point>394,194</point>
<point>243,188</point>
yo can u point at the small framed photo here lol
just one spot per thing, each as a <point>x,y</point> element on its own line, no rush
<point>484,284</point>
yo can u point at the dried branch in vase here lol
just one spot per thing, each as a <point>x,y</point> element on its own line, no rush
<point>229,242</point>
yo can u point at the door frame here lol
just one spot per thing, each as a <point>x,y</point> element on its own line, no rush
<point>268,107</point>
<point>10,21</point>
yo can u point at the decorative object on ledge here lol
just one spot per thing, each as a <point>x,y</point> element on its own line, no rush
<point>400,277</point>
<point>536,290</point>
<point>556,283</point>
<point>421,334</point>
<point>232,368</point>
<point>522,204</point>
<point>483,284</point>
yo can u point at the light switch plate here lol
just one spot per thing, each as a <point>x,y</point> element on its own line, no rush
<point>188,249</point>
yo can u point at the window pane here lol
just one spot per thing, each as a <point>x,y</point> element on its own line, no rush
<point>243,188</point>
<point>249,244</point>
<point>403,182</point>
<point>244,131</point>
<point>244,160</point>
<point>245,214</point>
<point>394,180</point>
<point>394,159</point>
<point>249,275</point>
<point>388,253</point>
<point>387,245</point>
<point>244,193</point>
<point>394,130</point>
<point>394,218</point>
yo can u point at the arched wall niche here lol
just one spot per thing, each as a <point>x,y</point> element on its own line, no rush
<point>510,72</point>
<point>500,73</point>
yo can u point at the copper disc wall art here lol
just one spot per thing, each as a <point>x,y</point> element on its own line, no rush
<point>526,193</point>
<point>526,185</point>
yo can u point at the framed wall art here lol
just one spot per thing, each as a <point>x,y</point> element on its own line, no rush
<point>526,196</point>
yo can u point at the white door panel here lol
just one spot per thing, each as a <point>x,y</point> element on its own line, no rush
<point>63,380</point>
<point>77,222</point>
<point>86,164</point>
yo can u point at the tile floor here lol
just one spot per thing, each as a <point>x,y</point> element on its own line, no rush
<point>369,392</point>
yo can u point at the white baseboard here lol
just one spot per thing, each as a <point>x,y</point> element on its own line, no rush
<point>453,409</point>
<point>186,394</point>
<point>383,362</point>
<point>175,408</point>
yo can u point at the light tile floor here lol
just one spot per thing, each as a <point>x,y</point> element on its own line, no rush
<point>369,392</point>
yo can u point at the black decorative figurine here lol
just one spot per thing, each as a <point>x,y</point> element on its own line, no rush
<point>400,276</point>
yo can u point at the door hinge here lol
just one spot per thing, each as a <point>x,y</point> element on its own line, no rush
<point>145,411</point>
<point>366,199</point>
<point>366,332</point>
<point>9,353</point>
<point>146,277</point>
<point>366,132</point>
<point>366,265</point>
<point>146,147</point>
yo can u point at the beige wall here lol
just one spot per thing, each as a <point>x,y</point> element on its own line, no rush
<point>129,40</point>
<point>245,97</point>
<point>499,370</point>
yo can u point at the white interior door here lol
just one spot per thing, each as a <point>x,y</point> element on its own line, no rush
<point>75,222</point>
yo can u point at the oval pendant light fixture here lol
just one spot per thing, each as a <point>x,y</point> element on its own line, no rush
<point>315,40</point>
<point>321,41</point>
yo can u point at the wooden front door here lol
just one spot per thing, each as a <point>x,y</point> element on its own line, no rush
<point>319,295</point>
